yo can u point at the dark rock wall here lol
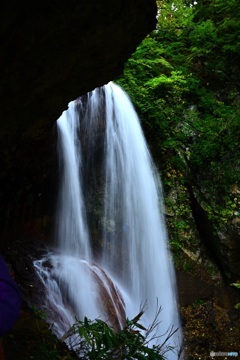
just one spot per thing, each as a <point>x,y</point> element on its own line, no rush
<point>53,52</point>
<point>28,177</point>
<point>223,243</point>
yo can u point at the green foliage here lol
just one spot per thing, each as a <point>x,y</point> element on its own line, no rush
<point>198,302</point>
<point>203,38</point>
<point>38,313</point>
<point>236,285</point>
<point>178,208</point>
<point>97,340</point>
<point>184,81</point>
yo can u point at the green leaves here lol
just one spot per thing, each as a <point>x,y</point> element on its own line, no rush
<point>176,80</point>
<point>184,81</point>
<point>97,340</point>
<point>236,285</point>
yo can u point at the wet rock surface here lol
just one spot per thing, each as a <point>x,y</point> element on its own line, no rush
<point>20,254</point>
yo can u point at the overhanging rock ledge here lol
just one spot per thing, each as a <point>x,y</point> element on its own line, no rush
<point>52,52</point>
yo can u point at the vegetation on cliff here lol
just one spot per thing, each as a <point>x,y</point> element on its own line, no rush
<point>184,82</point>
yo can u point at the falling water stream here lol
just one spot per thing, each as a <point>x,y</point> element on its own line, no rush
<point>132,264</point>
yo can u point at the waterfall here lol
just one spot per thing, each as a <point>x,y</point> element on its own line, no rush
<point>72,230</point>
<point>109,183</point>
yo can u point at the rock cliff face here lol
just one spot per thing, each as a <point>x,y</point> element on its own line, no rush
<point>52,52</point>
<point>223,243</point>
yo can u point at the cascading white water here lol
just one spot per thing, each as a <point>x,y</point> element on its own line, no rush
<point>137,251</point>
<point>72,230</point>
<point>134,240</point>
